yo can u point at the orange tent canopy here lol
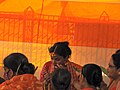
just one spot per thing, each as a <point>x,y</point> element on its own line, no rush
<point>71,8</point>
<point>82,9</point>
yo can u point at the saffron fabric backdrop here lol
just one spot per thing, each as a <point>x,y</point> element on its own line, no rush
<point>31,26</point>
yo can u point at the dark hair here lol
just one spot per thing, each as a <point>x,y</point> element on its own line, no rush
<point>1,80</point>
<point>51,49</point>
<point>61,79</point>
<point>116,60</point>
<point>65,44</point>
<point>93,74</point>
<point>60,50</point>
<point>26,68</point>
<point>13,61</point>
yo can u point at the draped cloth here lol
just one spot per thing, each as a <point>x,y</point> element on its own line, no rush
<point>71,66</point>
<point>22,82</point>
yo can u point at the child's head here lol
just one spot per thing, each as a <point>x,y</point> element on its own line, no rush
<point>61,79</point>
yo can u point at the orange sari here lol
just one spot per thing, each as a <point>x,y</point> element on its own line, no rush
<point>22,82</point>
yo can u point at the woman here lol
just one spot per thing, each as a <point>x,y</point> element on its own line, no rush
<point>19,73</point>
<point>60,54</point>
<point>90,78</point>
<point>12,63</point>
<point>114,72</point>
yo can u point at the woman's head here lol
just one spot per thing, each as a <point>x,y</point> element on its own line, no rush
<point>60,55</point>
<point>114,66</point>
<point>92,73</point>
<point>64,44</point>
<point>12,62</point>
<point>61,79</point>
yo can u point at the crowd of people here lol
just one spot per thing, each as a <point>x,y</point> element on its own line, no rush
<point>59,73</point>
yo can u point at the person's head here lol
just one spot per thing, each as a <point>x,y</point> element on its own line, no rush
<point>12,63</point>
<point>91,75</point>
<point>65,44</point>
<point>60,55</point>
<point>114,66</point>
<point>61,79</point>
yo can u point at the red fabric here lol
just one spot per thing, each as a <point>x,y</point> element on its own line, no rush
<point>112,85</point>
<point>112,88</point>
<point>22,82</point>
<point>87,89</point>
<point>49,67</point>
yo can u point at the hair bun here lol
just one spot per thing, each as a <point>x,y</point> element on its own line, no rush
<point>65,43</point>
<point>97,79</point>
<point>27,68</point>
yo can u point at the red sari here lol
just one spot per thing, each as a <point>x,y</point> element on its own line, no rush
<point>22,82</point>
<point>49,68</point>
<point>114,85</point>
<point>87,89</point>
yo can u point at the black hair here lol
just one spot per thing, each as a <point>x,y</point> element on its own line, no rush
<point>1,80</point>
<point>26,68</point>
<point>51,49</point>
<point>60,50</point>
<point>61,79</point>
<point>116,60</point>
<point>12,61</point>
<point>93,74</point>
<point>65,44</point>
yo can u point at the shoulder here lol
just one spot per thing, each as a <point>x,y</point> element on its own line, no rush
<point>7,84</point>
<point>4,85</point>
<point>48,63</point>
<point>118,85</point>
<point>76,65</point>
